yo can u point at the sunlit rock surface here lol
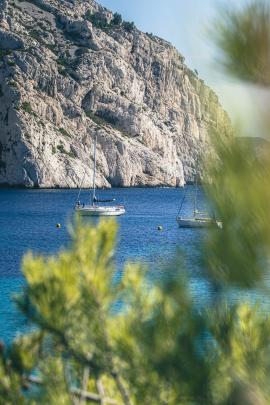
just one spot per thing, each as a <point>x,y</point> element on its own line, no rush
<point>64,81</point>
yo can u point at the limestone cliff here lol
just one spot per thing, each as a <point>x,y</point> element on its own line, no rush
<point>71,71</point>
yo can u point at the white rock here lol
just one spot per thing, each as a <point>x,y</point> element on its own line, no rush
<point>64,81</point>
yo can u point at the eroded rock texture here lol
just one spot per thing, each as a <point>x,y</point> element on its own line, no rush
<point>70,71</point>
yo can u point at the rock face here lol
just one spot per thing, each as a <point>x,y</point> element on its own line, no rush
<point>70,72</point>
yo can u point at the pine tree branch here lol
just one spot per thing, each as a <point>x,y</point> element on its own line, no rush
<point>87,396</point>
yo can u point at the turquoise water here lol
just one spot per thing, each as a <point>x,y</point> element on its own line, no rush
<point>28,221</point>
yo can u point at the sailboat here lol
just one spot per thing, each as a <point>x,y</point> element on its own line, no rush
<point>94,209</point>
<point>199,219</point>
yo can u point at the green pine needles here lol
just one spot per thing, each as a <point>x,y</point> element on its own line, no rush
<point>95,339</point>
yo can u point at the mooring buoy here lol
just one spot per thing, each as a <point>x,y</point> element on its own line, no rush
<point>160,228</point>
<point>58,225</point>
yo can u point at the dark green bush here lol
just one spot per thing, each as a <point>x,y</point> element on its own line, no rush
<point>128,26</point>
<point>163,344</point>
<point>97,120</point>
<point>62,71</point>
<point>97,19</point>
<point>61,148</point>
<point>26,106</point>
<point>4,52</point>
<point>12,83</point>
<point>52,48</point>
<point>117,19</point>
<point>35,35</point>
<point>64,132</point>
<point>62,61</point>
<point>11,63</point>
<point>71,154</point>
<point>101,22</point>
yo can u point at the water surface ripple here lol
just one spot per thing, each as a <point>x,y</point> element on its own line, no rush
<point>28,221</point>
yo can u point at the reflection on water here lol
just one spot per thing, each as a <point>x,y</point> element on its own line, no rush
<point>28,221</point>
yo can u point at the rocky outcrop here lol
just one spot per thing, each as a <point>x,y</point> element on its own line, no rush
<point>70,72</point>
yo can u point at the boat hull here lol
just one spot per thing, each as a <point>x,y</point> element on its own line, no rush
<point>198,223</point>
<point>92,211</point>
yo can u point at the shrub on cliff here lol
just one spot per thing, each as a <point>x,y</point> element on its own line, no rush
<point>117,19</point>
<point>139,340</point>
<point>97,19</point>
<point>26,106</point>
<point>101,22</point>
<point>129,26</point>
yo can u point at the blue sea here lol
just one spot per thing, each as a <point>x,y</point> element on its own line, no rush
<point>28,221</point>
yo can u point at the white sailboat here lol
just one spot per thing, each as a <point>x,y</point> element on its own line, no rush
<point>94,209</point>
<point>199,219</point>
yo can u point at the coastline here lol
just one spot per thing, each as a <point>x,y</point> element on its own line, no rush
<point>23,187</point>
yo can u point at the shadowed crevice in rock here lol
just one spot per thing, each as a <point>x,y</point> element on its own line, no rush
<point>69,74</point>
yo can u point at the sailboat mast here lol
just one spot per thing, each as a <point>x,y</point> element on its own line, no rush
<point>94,173</point>
<point>195,197</point>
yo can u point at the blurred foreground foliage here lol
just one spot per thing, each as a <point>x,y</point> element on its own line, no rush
<point>130,341</point>
<point>97,339</point>
<point>242,35</point>
<point>240,192</point>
